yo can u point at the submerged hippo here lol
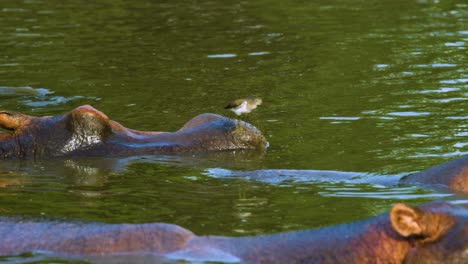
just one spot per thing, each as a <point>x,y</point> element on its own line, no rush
<point>432,233</point>
<point>452,175</point>
<point>86,131</point>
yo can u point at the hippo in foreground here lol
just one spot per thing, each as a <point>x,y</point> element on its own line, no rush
<point>431,233</point>
<point>86,131</point>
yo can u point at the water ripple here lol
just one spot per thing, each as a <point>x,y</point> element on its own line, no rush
<point>406,114</point>
<point>394,193</point>
<point>37,97</point>
<point>222,56</point>
<point>440,90</point>
<point>259,53</point>
<point>340,118</point>
<point>23,91</point>
<point>455,81</point>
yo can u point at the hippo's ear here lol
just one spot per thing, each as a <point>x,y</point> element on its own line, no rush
<point>88,121</point>
<point>406,220</point>
<point>9,120</point>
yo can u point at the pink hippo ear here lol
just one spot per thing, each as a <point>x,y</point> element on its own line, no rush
<point>88,121</point>
<point>11,120</point>
<point>406,220</point>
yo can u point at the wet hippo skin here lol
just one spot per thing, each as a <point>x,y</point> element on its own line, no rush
<point>431,233</point>
<point>452,174</point>
<point>86,131</point>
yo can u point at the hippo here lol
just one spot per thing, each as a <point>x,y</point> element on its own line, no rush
<point>85,131</point>
<point>452,175</point>
<point>431,233</point>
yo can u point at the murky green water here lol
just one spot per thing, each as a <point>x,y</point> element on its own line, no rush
<point>369,86</point>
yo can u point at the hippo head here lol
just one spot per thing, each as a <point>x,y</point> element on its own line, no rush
<point>438,233</point>
<point>85,131</point>
<point>29,136</point>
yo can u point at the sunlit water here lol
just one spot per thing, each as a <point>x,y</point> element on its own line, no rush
<point>373,87</point>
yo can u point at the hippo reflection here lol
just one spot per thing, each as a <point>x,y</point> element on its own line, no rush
<point>432,233</point>
<point>86,131</point>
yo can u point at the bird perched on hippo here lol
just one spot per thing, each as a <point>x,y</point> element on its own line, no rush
<point>244,105</point>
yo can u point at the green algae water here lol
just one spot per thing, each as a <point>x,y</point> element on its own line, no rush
<point>374,87</point>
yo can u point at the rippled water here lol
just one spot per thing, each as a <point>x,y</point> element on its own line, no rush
<point>374,87</point>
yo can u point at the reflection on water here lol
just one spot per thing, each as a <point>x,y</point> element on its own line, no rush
<point>280,176</point>
<point>52,100</point>
<point>23,91</point>
<point>396,193</point>
<point>94,172</point>
<point>245,208</point>
<point>91,183</point>
<point>35,97</point>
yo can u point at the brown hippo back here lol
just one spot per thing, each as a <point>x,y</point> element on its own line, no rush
<point>452,174</point>
<point>432,233</point>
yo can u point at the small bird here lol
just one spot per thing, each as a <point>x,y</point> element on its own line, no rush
<point>244,105</point>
